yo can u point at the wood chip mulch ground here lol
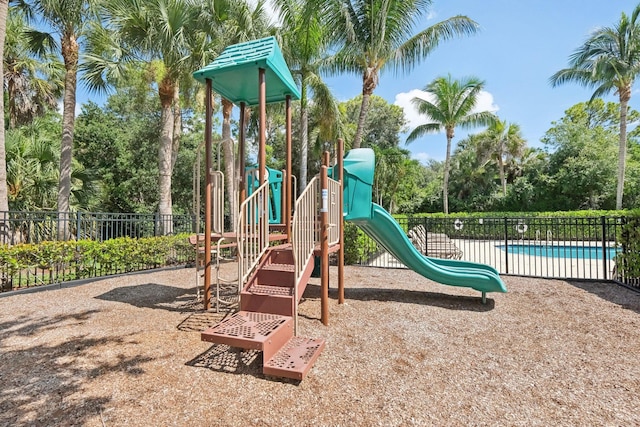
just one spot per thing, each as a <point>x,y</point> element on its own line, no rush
<point>402,351</point>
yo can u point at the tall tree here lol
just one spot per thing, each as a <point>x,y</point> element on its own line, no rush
<point>4,199</point>
<point>159,33</point>
<point>453,106</point>
<point>68,19</point>
<point>379,33</point>
<point>305,40</point>
<point>609,60</point>
<point>502,142</point>
<point>33,75</point>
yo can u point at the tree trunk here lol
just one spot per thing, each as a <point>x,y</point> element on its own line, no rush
<point>357,140</point>
<point>70,51</point>
<point>369,83</point>
<point>304,138</point>
<point>165,150</point>
<point>177,126</point>
<point>4,197</point>
<point>625,95</point>
<point>229,169</point>
<point>503,179</point>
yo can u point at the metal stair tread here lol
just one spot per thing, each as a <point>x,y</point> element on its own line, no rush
<point>257,289</point>
<point>279,267</point>
<point>295,358</point>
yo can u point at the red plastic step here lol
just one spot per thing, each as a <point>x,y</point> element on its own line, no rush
<point>253,331</point>
<point>295,359</point>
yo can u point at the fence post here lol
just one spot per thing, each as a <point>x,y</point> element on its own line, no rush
<point>78,222</point>
<point>506,245</point>
<point>425,224</point>
<point>605,260</point>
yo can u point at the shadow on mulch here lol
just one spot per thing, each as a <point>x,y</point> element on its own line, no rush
<point>39,380</point>
<point>451,302</point>
<point>223,358</point>
<point>199,321</point>
<point>153,295</point>
<point>612,292</point>
<point>233,360</point>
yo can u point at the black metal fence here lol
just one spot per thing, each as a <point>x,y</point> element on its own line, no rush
<point>39,248</point>
<point>595,248</point>
<point>35,227</point>
<point>549,247</point>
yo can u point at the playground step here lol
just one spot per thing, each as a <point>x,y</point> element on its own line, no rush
<point>276,275</point>
<point>281,254</point>
<point>295,359</point>
<point>268,299</point>
<point>252,331</point>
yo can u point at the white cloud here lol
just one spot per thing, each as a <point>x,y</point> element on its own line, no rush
<point>422,157</point>
<point>269,9</point>
<point>403,99</point>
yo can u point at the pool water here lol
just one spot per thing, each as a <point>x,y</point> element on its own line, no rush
<point>560,251</point>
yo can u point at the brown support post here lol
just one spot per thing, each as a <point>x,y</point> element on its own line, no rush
<point>242,190</point>
<point>262,133</point>
<point>288,187</point>
<point>339,165</point>
<point>207,199</point>
<point>324,244</point>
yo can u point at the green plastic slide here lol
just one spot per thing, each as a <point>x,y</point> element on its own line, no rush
<point>382,228</point>
<point>359,165</point>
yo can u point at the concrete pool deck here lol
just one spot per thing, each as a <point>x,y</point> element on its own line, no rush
<point>520,264</point>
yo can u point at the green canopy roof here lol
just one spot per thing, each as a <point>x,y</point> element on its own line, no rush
<point>234,74</point>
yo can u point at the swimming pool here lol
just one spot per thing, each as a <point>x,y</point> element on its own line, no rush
<point>560,251</point>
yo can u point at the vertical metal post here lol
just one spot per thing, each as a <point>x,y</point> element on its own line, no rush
<point>340,166</point>
<point>242,185</point>
<point>78,224</point>
<point>262,132</point>
<point>324,243</point>
<point>288,195</point>
<point>207,199</point>
<point>506,245</point>
<point>605,260</point>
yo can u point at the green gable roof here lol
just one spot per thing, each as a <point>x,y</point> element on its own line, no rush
<point>234,74</point>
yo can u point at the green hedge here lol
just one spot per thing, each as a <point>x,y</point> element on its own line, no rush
<point>629,237</point>
<point>53,262</point>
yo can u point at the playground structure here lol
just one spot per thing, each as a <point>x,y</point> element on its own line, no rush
<point>276,247</point>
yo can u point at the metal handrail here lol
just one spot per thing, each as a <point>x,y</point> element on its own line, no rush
<point>252,232</point>
<point>217,201</point>
<point>304,234</point>
<point>335,214</point>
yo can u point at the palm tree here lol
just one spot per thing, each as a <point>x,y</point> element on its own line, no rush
<point>378,33</point>
<point>33,76</point>
<point>452,106</point>
<point>609,60</point>
<point>305,40</point>
<point>68,20</point>
<point>159,34</point>
<point>4,199</point>
<point>502,142</point>
<point>32,168</point>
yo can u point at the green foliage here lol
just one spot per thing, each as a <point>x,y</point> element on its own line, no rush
<point>629,260</point>
<point>57,261</point>
<point>383,124</point>
<point>356,244</point>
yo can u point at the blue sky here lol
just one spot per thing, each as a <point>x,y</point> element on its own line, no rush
<point>520,45</point>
